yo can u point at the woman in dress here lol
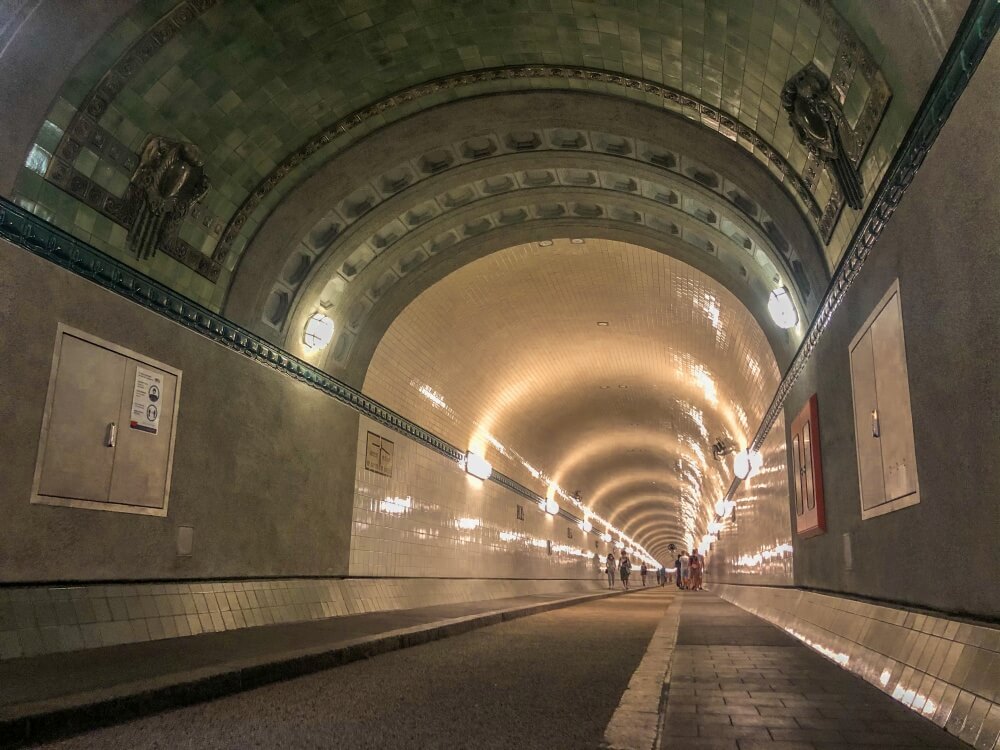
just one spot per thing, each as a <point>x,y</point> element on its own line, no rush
<point>624,570</point>
<point>611,565</point>
<point>695,565</point>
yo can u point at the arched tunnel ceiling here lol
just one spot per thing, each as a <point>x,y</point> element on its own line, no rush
<point>376,226</point>
<point>505,356</point>
<point>270,92</point>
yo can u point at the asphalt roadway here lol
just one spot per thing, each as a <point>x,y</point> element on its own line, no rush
<point>549,681</point>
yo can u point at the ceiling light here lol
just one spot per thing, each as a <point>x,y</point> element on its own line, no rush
<point>318,331</point>
<point>602,323</point>
<point>606,537</point>
<point>551,507</point>
<point>605,387</point>
<point>623,386</point>
<point>545,243</point>
<point>478,466</point>
<point>782,308</point>
<point>587,526</point>
<point>576,241</point>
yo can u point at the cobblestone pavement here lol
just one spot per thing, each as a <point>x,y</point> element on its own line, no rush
<point>739,682</point>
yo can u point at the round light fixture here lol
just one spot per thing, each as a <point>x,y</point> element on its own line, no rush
<point>551,507</point>
<point>606,537</point>
<point>747,463</point>
<point>587,526</point>
<point>318,332</point>
<point>603,323</point>
<point>782,308</point>
<point>545,243</point>
<point>576,241</point>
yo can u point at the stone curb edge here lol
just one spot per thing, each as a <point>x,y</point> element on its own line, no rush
<point>33,723</point>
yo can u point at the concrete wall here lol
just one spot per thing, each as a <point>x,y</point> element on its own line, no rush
<point>263,465</point>
<point>942,246</point>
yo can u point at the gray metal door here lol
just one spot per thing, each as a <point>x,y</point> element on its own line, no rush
<point>79,446</point>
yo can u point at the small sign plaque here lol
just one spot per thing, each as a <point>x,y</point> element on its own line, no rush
<point>146,396</point>
<point>378,455</point>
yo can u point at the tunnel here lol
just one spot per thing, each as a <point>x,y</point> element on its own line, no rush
<point>509,373</point>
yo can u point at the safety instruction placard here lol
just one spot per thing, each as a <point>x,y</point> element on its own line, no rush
<point>146,400</point>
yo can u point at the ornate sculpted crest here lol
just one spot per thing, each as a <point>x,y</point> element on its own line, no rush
<point>169,179</point>
<point>818,121</point>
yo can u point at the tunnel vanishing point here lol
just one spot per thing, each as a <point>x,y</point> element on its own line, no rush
<point>313,311</point>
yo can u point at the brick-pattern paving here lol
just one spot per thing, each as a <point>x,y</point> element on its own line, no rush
<point>744,691</point>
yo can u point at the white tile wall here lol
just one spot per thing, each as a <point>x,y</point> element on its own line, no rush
<point>510,347</point>
<point>51,619</point>
<point>430,519</point>
<point>755,546</point>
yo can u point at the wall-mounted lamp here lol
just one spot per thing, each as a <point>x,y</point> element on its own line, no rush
<point>606,537</point>
<point>724,508</point>
<point>587,526</point>
<point>747,463</point>
<point>478,466</point>
<point>318,331</point>
<point>551,507</point>
<point>782,308</point>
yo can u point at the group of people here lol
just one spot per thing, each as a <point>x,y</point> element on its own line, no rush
<point>623,566</point>
<point>688,572</point>
<point>689,569</point>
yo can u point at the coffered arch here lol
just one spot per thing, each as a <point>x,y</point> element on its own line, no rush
<point>356,244</point>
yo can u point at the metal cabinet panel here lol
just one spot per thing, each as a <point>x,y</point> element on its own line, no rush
<point>895,422</point>
<point>882,420</point>
<point>78,457</point>
<point>865,427</point>
<point>82,462</point>
<point>140,471</point>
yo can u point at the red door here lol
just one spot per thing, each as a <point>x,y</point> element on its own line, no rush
<point>807,465</point>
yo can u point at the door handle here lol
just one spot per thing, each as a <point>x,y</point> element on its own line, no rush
<point>111,435</point>
<point>876,428</point>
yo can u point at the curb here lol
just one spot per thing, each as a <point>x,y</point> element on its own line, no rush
<point>42,721</point>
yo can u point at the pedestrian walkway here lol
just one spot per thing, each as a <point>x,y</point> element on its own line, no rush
<point>546,682</point>
<point>656,669</point>
<point>739,683</point>
<point>59,694</point>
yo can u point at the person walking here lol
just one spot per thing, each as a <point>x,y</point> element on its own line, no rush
<point>643,570</point>
<point>677,571</point>
<point>611,565</point>
<point>624,569</point>
<point>695,564</point>
<point>685,571</point>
